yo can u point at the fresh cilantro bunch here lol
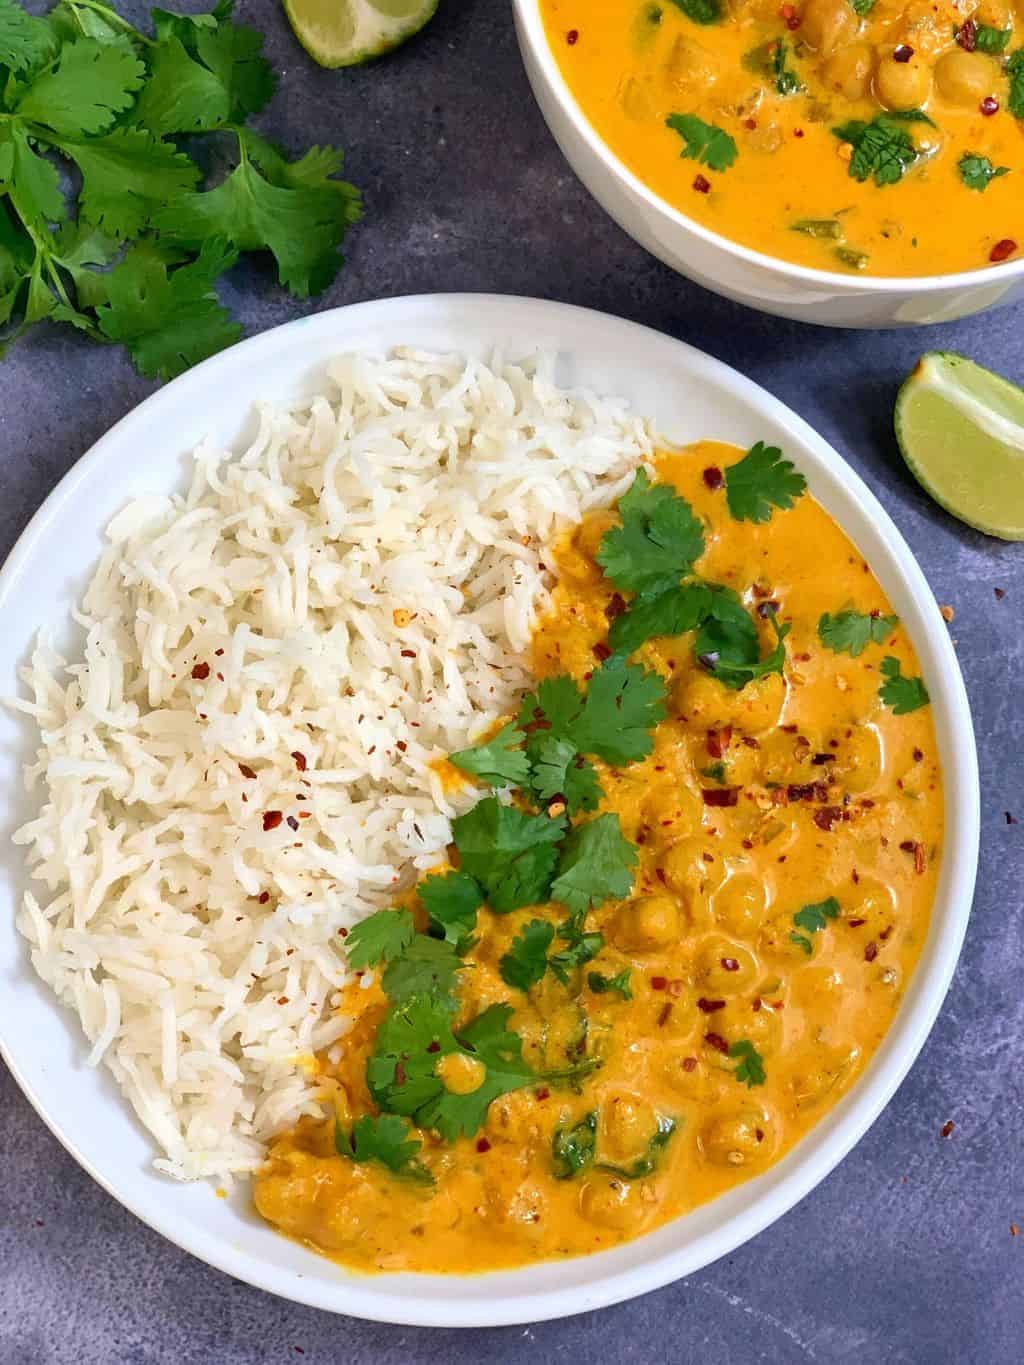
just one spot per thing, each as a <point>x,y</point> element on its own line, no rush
<point>134,258</point>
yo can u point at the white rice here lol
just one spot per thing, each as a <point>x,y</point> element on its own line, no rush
<point>201,952</point>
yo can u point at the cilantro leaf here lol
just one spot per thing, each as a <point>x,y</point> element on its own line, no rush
<point>850,632</point>
<point>379,938</point>
<point>672,612</point>
<point>763,479</point>
<point>881,149</point>
<point>812,919</point>
<point>787,82</point>
<point>700,11</point>
<point>900,693</point>
<point>168,320</point>
<point>85,89</point>
<point>127,176</point>
<point>32,183</point>
<point>24,40</point>
<point>426,966</point>
<point>452,900</point>
<point>977,171</point>
<point>604,985</point>
<point>990,40</point>
<point>182,95</point>
<point>573,1149</point>
<point>648,1160</point>
<point>596,865</point>
<point>727,645</point>
<point>527,961</point>
<point>658,539</point>
<point>751,1068</point>
<point>233,52</point>
<point>556,704</point>
<point>624,703</point>
<point>705,143</point>
<point>583,948</point>
<point>411,1039</point>
<point>511,855</point>
<point>862,7</point>
<point>558,769</point>
<point>499,762</point>
<point>384,1139</point>
<point>302,225</point>
<point>1015,74</point>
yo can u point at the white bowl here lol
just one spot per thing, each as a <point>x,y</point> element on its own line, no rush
<point>689,395</point>
<point>726,267</point>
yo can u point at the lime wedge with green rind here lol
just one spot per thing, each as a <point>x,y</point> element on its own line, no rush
<point>961,430</point>
<point>350,32</point>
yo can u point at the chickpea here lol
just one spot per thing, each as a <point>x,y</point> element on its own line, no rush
<point>763,1028</point>
<point>725,967</point>
<point>625,1127</point>
<point>965,77</point>
<point>703,700</point>
<point>743,1138</point>
<point>690,69</point>
<point>860,759</point>
<point>817,985</point>
<point>871,901</point>
<point>828,25</point>
<point>688,872</point>
<point>902,85</point>
<point>848,71</point>
<point>646,924</point>
<point>513,1117</point>
<point>606,1200</point>
<point>739,906</point>
<point>682,805</point>
<point>760,704</point>
<point>994,14</point>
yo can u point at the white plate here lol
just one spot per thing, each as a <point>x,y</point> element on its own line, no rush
<point>690,396</point>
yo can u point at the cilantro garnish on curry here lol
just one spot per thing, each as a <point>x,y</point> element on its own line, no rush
<point>676,922</point>
<point>870,135</point>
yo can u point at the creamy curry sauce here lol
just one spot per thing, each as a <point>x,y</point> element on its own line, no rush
<point>631,65</point>
<point>706,936</point>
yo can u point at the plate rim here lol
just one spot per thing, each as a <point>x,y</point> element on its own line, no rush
<point>817,1159</point>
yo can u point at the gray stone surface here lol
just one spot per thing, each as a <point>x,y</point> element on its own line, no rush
<point>905,1253</point>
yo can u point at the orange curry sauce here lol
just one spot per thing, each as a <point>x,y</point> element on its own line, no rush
<point>837,797</point>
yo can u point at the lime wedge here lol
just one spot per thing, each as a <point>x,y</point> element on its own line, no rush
<point>350,32</point>
<point>961,431</point>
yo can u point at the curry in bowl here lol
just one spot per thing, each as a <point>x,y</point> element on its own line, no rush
<point>875,136</point>
<point>675,936</point>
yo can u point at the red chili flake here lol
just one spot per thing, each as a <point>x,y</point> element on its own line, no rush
<point>750,123</point>
<point>701,184</point>
<point>718,741</point>
<point>856,923</point>
<point>710,1006</point>
<point>1002,249</point>
<point>798,132</point>
<point>658,983</point>
<point>659,872</point>
<point>572,37</point>
<point>263,897</point>
<point>808,791</point>
<point>729,964</point>
<point>827,817</point>
<point>201,672</point>
<point>917,849</point>
<point>400,1074</point>
<point>601,652</point>
<point>903,53</point>
<point>401,745</point>
<point>220,677</point>
<point>713,476</point>
<point>305,815</point>
<point>408,653</point>
<point>989,106</point>
<point>886,933</point>
<point>1000,593</point>
<point>947,1128</point>
<point>300,761</point>
<point>482,1145</point>
<point>871,951</point>
<point>716,1041</point>
<point>663,1013</point>
<point>918,755</point>
<point>967,35</point>
<point>1010,819</point>
<point>542,1093</point>
<point>793,20</point>
<point>615,607</point>
<point>689,1063</point>
<point>219,653</point>
<point>246,771</point>
<point>282,1000</point>
<point>748,843</point>
<point>818,760</point>
<point>292,822</point>
<point>434,1047</point>
<point>721,796</point>
<point>271,819</point>
<point>343,933</point>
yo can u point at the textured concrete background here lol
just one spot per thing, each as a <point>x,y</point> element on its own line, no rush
<point>905,1253</point>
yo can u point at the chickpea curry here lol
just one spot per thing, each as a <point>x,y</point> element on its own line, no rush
<point>884,136</point>
<point>676,935</point>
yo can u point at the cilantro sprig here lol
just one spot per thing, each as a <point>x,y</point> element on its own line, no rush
<point>812,919</point>
<point>657,541</point>
<point>850,632</point>
<point>385,1139</point>
<point>751,1070</point>
<point>899,692</point>
<point>882,150</point>
<point>761,481</point>
<point>704,143</point>
<point>977,172</point>
<point>134,255</point>
<point>728,645</point>
<point>1015,75</point>
<point>619,984</point>
<point>700,11</point>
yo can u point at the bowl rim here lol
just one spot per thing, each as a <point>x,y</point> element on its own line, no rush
<point>532,31</point>
<point>410,1301</point>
